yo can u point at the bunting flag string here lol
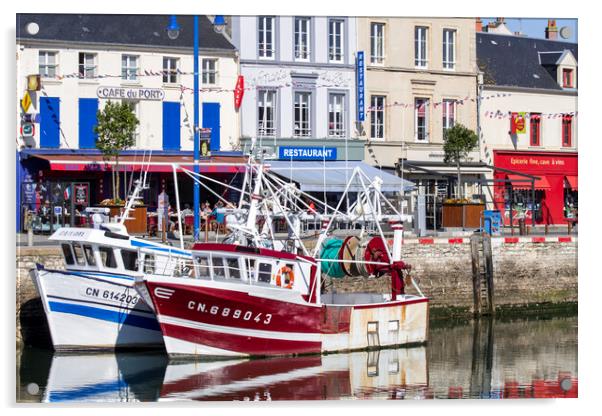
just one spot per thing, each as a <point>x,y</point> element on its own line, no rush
<point>205,89</point>
<point>498,114</point>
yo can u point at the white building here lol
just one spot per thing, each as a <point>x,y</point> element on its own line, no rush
<point>300,71</point>
<point>85,60</point>
<point>528,119</point>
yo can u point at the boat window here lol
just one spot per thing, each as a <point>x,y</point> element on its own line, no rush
<point>79,254</point>
<point>130,259</point>
<point>233,268</point>
<point>149,264</point>
<point>89,255</point>
<point>201,264</point>
<point>67,253</point>
<point>265,272</point>
<point>251,270</point>
<point>219,271</point>
<point>107,257</point>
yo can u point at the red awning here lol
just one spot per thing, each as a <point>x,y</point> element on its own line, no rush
<point>523,182</point>
<point>161,163</point>
<point>572,180</point>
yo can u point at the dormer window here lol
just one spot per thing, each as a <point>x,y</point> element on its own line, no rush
<point>567,78</point>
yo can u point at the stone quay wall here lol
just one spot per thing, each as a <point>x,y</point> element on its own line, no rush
<point>527,271</point>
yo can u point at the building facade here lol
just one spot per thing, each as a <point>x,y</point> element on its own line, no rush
<point>421,78</point>
<point>300,96</point>
<point>86,60</point>
<point>529,126</point>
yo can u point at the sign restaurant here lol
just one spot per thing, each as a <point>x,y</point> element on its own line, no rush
<point>148,94</point>
<point>307,153</point>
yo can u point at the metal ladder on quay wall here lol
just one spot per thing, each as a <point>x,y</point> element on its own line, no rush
<point>482,275</point>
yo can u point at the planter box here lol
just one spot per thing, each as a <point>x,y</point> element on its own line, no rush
<point>137,223</point>
<point>462,215</point>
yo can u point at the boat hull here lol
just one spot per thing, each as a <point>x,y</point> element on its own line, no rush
<point>95,311</point>
<point>207,318</point>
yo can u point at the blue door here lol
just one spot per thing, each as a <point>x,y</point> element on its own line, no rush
<point>211,120</point>
<point>88,107</point>
<point>171,125</point>
<point>50,119</point>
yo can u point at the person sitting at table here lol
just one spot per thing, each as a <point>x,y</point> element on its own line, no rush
<point>186,211</point>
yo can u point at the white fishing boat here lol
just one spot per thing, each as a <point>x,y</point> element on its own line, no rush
<point>92,303</point>
<point>255,295</point>
<point>105,378</point>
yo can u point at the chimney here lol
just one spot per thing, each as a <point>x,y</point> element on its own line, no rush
<point>551,30</point>
<point>479,25</point>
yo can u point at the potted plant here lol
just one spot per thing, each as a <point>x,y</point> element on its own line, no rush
<point>459,141</point>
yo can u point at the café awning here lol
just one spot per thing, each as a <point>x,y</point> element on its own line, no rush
<point>572,180</point>
<point>134,163</point>
<point>523,182</point>
<point>316,176</point>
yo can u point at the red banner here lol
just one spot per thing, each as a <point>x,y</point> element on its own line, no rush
<point>239,91</point>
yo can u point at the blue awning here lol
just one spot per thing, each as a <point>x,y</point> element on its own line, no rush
<point>332,176</point>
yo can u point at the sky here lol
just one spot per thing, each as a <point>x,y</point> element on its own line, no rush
<point>535,28</point>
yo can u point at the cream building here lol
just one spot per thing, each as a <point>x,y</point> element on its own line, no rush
<point>421,77</point>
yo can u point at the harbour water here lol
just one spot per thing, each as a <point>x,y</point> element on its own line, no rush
<point>492,359</point>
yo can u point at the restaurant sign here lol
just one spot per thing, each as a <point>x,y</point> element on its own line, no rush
<point>307,153</point>
<point>148,94</point>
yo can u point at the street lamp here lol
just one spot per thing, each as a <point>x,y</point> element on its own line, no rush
<point>173,31</point>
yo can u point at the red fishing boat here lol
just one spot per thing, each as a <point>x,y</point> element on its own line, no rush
<point>245,299</point>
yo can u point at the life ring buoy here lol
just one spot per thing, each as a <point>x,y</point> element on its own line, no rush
<point>284,273</point>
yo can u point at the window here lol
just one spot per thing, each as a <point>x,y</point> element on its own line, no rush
<point>335,40</point>
<point>302,110</point>
<point>567,78</point>
<point>567,127</point>
<point>336,110</point>
<point>209,71</point>
<point>302,38</point>
<point>130,259</point>
<point>265,273</point>
<point>201,264</point>
<point>219,271</point>
<point>251,272</point>
<point>47,64</point>
<point>377,116</point>
<point>393,331</point>
<point>372,331</point>
<point>233,268</point>
<point>87,65</point>
<point>266,37</point>
<point>107,257</point>
<point>420,46</point>
<point>377,43</point>
<point>170,70</point>
<point>535,127</point>
<point>449,49</point>
<point>129,67</point>
<point>149,264</point>
<point>448,108</point>
<point>266,104</point>
<point>79,254</point>
<point>67,254</point>
<point>421,108</point>
<point>89,255</point>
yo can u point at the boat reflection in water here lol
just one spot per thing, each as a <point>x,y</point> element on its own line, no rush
<point>506,360</point>
<point>110,377</point>
<point>336,376</point>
